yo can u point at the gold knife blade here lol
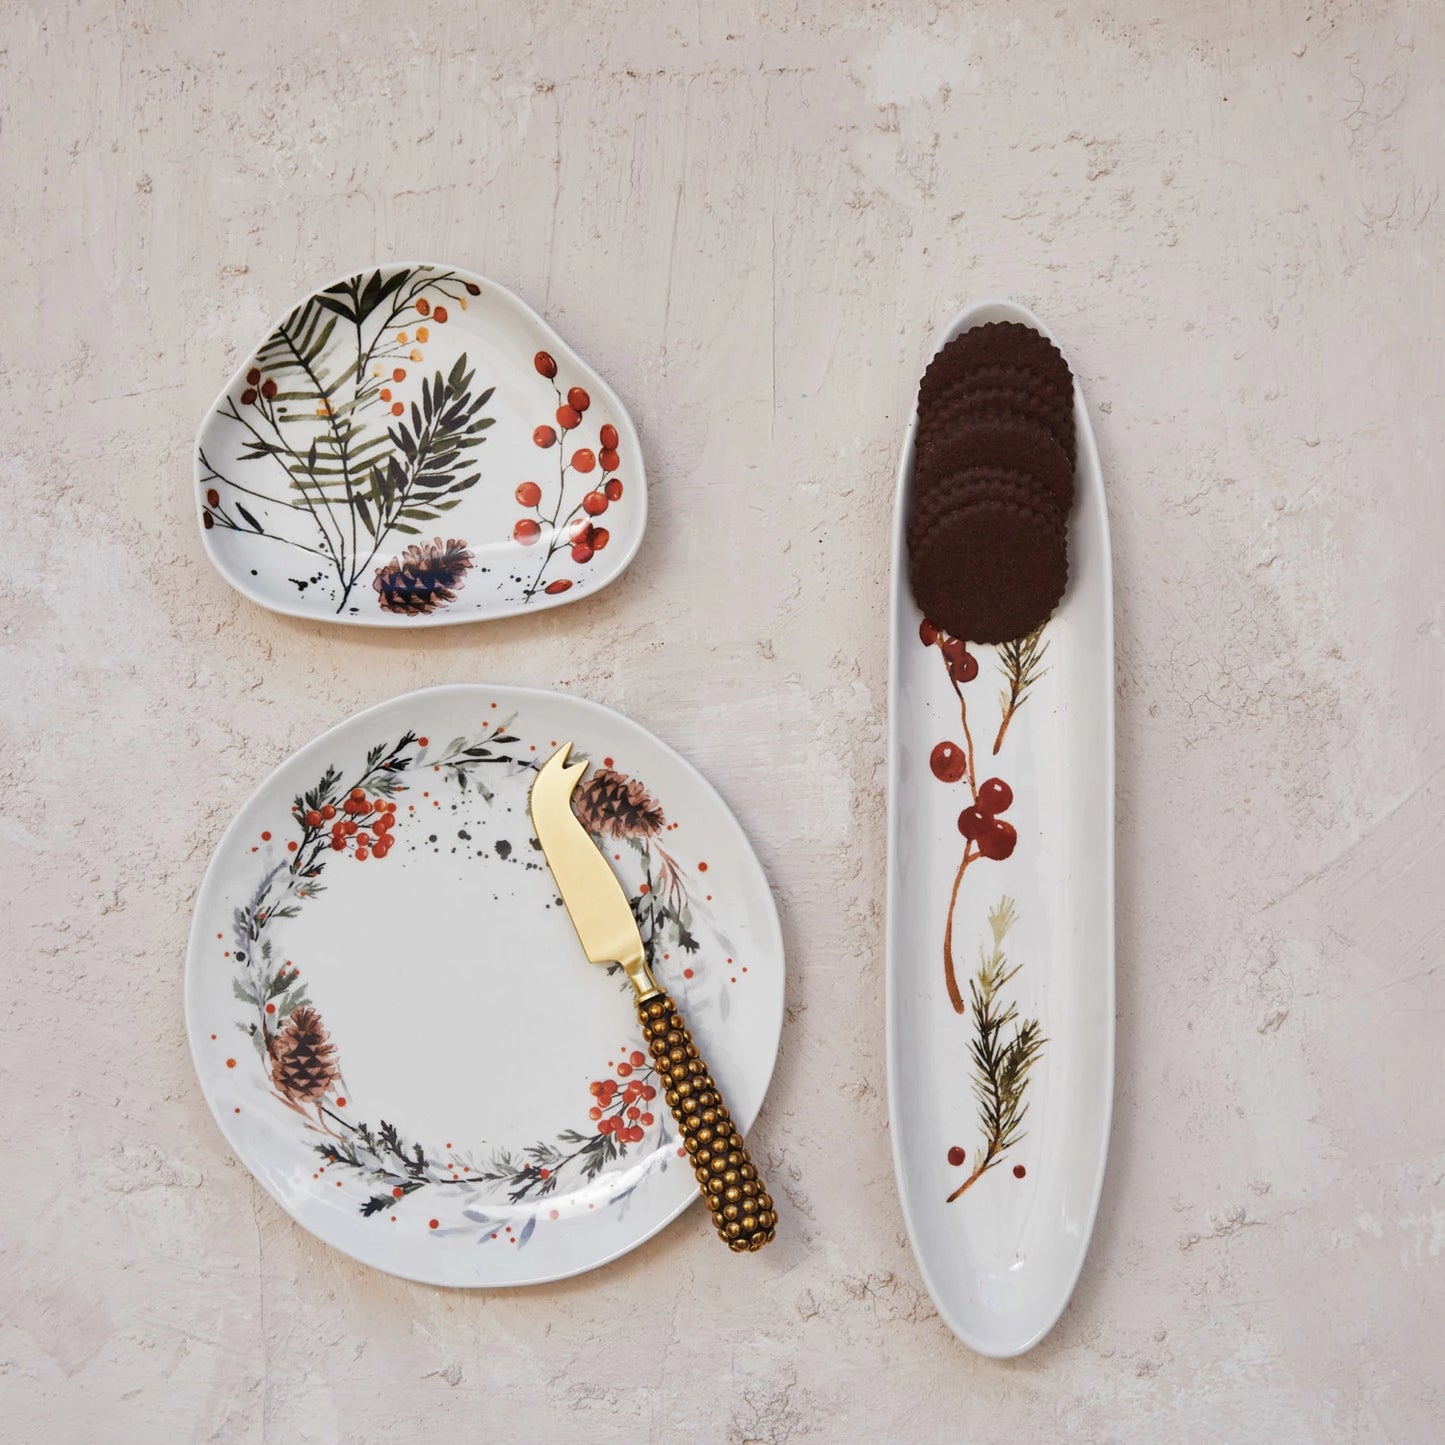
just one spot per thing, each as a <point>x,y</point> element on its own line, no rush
<point>742,1209</point>
<point>593,897</point>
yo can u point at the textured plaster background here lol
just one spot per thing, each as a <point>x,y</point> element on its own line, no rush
<point>752,219</point>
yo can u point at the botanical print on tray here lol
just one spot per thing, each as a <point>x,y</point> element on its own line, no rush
<point>346,821</point>
<point>1001,1061</point>
<point>363,422</point>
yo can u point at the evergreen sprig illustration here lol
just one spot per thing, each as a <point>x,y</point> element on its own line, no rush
<point>1022,664</point>
<point>318,402</point>
<point>1001,1060</point>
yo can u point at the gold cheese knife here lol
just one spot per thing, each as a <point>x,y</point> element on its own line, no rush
<point>728,1180</point>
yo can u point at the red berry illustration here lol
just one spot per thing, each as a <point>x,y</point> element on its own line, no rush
<point>526,531</point>
<point>599,538</point>
<point>248,396</point>
<point>579,398</point>
<point>253,376</point>
<point>529,494</point>
<point>423,305</point>
<point>1019,1171</point>
<point>269,389</point>
<point>995,795</point>
<point>397,408</point>
<point>956,1156</point>
<point>613,489</point>
<point>544,364</point>
<point>328,811</point>
<point>568,417</point>
<point>609,459</point>
<point>583,459</point>
<point>439,315</point>
<point>472,288</point>
<point>608,436</point>
<point>399,374</point>
<point>927,633</point>
<point>581,553</point>
<point>213,497</point>
<point>948,762</point>
<point>544,436</point>
<point>313,819</point>
<point>971,822</point>
<point>562,584</point>
<point>594,504</point>
<point>207,521</point>
<point>955,649</point>
<point>578,528</point>
<point>963,669</point>
<point>996,839</point>
<point>385,393</point>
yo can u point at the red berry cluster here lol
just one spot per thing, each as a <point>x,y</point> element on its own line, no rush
<point>584,539</point>
<point>949,762</point>
<point>254,383</point>
<point>962,664</point>
<point>981,824</point>
<point>622,1112</point>
<point>366,827</point>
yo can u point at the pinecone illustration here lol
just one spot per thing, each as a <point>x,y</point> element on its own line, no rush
<point>423,578</point>
<point>303,1058</point>
<point>613,804</point>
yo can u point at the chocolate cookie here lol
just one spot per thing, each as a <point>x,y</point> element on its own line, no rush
<point>973,484</point>
<point>1000,343</point>
<point>1015,445</point>
<point>991,571</point>
<point>964,400</point>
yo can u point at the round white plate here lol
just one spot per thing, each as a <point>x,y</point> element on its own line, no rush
<point>406,1045</point>
<point>412,445</point>
<point>999,1217</point>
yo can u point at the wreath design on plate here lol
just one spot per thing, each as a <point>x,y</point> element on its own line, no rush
<point>352,821</point>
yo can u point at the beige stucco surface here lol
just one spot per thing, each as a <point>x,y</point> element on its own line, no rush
<point>752,219</point>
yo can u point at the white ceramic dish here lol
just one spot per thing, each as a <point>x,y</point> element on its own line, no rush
<point>413,445</point>
<point>1001,1250</point>
<point>396,1028</point>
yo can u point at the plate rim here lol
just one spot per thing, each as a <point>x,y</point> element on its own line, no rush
<point>195,941</point>
<point>974,314</point>
<point>444,618</point>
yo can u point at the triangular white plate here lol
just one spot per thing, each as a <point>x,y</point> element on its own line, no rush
<point>412,445</point>
<point>394,1023</point>
<point>1001,1249</point>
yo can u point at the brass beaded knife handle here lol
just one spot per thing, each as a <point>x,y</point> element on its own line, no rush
<point>741,1207</point>
<point>728,1180</point>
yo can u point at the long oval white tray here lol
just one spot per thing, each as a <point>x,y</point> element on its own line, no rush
<point>1001,1250</point>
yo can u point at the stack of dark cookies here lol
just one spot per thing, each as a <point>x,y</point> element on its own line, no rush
<point>993,483</point>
